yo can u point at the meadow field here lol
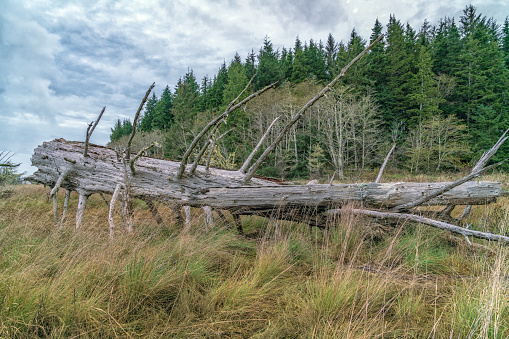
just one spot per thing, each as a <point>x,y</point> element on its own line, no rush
<point>359,279</point>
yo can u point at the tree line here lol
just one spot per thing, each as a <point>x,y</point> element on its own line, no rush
<point>440,93</point>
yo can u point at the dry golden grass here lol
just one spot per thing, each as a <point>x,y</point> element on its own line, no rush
<point>280,281</point>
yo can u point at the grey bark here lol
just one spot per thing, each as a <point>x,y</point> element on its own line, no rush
<point>101,171</point>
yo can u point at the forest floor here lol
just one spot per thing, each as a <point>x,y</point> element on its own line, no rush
<point>360,279</point>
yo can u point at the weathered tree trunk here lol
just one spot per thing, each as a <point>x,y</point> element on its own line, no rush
<point>155,179</point>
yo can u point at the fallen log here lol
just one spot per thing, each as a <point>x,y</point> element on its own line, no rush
<point>156,180</point>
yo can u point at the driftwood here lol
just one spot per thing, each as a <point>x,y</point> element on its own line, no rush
<point>155,180</point>
<point>89,169</point>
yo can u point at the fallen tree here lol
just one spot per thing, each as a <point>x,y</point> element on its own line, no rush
<point>88,169</point>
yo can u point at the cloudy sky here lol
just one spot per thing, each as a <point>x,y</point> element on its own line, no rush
<point>62,61</point>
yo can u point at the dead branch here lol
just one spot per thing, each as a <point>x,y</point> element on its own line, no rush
<point>90,130</point>
<point>112,209</point>
<point>382,168</point>
<point>212,145</point>
<point>135,123</point>
<point>443,189</point>
<point>251,155</point>
<point>435,223</point>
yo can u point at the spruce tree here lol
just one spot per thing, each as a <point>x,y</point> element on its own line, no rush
<point>148,116</point>
<point>269,68</point>
<point>162,117</point>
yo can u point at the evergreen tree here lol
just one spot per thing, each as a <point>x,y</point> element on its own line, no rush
<point>250,65</point>
<point>121,128</point>
<point>505,41</point>
<point>217,89</point>
<point>184,111</point>
<point>150,111</point>
<point>204,101</point>
<point>483,81</point>
<point>269,68</point>
<point>397,71</point>
<point>315,62</point>
<point>162,112</point>
<point>331,50</point>
<point>237,81</point>
<point>423,92</point>
<point>299,69</point>
<point>357,75</point>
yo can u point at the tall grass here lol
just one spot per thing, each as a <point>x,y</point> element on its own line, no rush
<point>280,281</point>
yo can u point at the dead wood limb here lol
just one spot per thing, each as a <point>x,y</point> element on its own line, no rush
<point>54,191</point>
<point>64,209</point>
<point>212,145</point>
<point>60,179</point>
<point>55,208</point>
<point>252,170</point>
<point>435,223</point>
<point>251,155</point>
<point>446,212</point>
<point>155,213</point>
<point>382,168</point>
<point>140,154</point>
<point>135,123</point>
<point>466,212</point>
<point>112,209</point>
<point>482,162</point>
<point>176,210</point>
<point>443,189</point>
<point>90,130</point>
<point>209,217</point>
<point>82,203</point>
<point>213,123</point>
<point>187,213</point>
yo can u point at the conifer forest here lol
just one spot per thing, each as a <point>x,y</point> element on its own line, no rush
<point>439,92</point>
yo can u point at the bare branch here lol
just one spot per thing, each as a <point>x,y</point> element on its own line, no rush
<point>382,168</point>
<point>250,157</point>
<point>112,209</point>
<point>435,223</point>
<point>213,144</point>
<point>82,203</point>
<point>488,154</point>
<point>252,170</point>
<point>140,154</point>
<point>443,189</point>
<point>66,205</point>
<point>214,122</point>
<point>60,179</point>
<point>90,130</point>
<point>135,122</point>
